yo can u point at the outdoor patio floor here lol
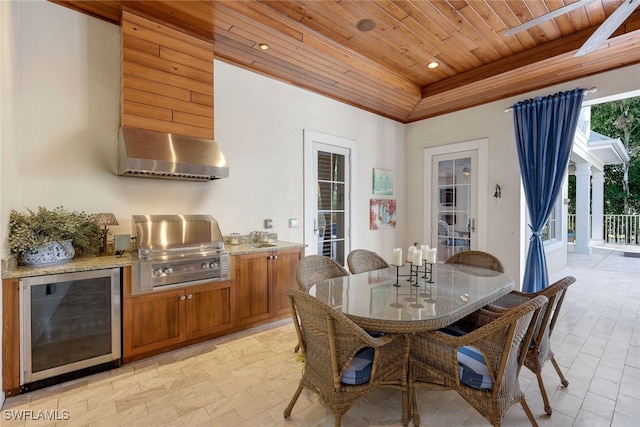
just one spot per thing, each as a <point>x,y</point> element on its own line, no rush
<point>247,379</point>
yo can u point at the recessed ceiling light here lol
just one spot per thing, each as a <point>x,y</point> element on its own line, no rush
<point>263,46</point>
<point>365,25</point>
<point>433,64</point>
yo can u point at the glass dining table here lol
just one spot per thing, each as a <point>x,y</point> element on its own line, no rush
<point>393,300</point>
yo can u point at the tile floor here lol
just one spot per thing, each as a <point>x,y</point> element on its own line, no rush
<point>247,379</point>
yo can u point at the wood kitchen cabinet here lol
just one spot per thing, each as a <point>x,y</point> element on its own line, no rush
<point>162,320</point>
<point>11,336</point>
<point>261,281</point>
<point>284,277</point>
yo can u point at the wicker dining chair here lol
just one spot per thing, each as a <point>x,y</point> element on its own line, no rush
<point>363,260</point>
<point>329,341</point>
<point>316,268</point>
<point>482,366</point>
<point>540,349</point>
<point>477,259</point>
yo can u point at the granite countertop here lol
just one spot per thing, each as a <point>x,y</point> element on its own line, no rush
<point>114,261</point>
<point>246,248</point>
<point>76,264</point>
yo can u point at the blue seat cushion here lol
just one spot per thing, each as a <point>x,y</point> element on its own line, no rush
<point>359,370</point>
<point>457,242</point>
<point>473,368</point>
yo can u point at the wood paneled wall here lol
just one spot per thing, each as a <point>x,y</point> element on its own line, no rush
<point>167,79</point>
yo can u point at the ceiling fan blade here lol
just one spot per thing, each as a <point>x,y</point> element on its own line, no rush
<point>608,27</point>
<point>547,16</point>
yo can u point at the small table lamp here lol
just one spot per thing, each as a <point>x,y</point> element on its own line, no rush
<point>104,219</point>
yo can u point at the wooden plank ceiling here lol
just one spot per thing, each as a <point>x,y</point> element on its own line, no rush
<point>317,45</point>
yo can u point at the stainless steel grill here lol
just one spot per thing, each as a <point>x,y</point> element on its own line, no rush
<point>177,250</point>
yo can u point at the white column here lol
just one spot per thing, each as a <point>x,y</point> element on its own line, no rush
<point>597,208</point>
<point>583,187</point>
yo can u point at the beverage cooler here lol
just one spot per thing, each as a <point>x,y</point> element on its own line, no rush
<point>70,326</point>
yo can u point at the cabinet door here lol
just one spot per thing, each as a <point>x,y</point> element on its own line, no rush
<point>153,321</point>
<point>253,287</point>
<point>209,309</point>
<point>284,267</point>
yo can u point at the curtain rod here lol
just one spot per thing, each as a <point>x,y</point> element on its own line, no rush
<point>586,91</point>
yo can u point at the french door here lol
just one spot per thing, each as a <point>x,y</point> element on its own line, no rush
<point>327,190</point>
<point>454,221</point>
<point>455,204</point>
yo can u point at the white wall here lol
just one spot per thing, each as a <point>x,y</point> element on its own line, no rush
<point>7,136</point>
<point>507,230</point>
<point>488,122</point>
<point>259,123</point>
<point>67,117</point>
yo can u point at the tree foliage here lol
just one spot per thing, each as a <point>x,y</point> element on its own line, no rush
<point>621,119</point>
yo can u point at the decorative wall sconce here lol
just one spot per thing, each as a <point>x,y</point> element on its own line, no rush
<point>498,193</point>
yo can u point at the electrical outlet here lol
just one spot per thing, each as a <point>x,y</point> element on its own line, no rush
<point>268,223</point>
<point>293,222</point>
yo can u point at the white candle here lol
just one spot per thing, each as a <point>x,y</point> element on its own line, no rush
<point>410,253</point>
<point>424,248</point>
<point>431,256</point>
<point>417,257</point>
<point>397,256</point>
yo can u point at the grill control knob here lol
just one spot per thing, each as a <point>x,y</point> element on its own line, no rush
<point>168,270</point>
<point>205,266</point>
<point>157,272</point>
<point>213,265</point>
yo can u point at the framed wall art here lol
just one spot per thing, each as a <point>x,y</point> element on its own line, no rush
<point>382,214</point>
<point>382,182</point>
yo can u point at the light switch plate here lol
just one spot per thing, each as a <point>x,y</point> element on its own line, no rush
<point>268,223</point>
<point>293,222</point>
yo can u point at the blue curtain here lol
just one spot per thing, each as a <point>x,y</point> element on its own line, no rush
<point>544,128</point>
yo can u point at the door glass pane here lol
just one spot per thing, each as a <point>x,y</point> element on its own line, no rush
<point>338,196</point>
<point>339,166</point>
<point>331,205</point>
<point>324,196</point>
<point>454,206</point>
<point>324,166</point>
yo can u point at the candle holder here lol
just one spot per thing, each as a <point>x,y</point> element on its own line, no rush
<point>397,284</point>
<point>428,270</point>
<point>417,272</point>
<point>410,279</point>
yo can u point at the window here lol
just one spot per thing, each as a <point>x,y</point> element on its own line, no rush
<point>551,229</point>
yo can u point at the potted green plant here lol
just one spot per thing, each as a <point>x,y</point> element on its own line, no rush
<point>58,233</point>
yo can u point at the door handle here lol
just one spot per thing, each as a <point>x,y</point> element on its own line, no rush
<point>472,225</point>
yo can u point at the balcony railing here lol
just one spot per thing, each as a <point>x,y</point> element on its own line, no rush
<point>619,229</point>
